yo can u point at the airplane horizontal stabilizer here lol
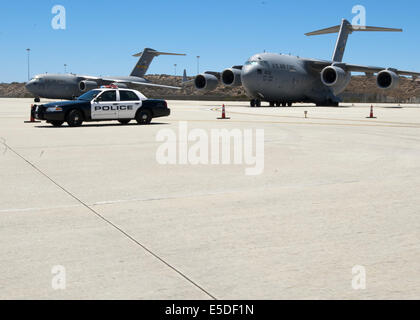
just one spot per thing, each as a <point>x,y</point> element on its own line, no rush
<point>352,28</point>
<point>146,58</point>
<point>344,30</point>
<point>157,53</point>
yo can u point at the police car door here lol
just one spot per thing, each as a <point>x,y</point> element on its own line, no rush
<point>129,104</point>
<point>105,106</point>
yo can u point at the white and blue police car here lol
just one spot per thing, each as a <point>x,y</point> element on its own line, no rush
<point>103,104</point>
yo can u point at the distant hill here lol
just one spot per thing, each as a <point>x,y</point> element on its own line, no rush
<point>364,89</point>
<point>361,89</point>
<point>14,90</point>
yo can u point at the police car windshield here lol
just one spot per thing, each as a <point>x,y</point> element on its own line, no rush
<point>89,96</point>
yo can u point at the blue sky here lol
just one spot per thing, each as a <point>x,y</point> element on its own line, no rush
<point>101,35</point>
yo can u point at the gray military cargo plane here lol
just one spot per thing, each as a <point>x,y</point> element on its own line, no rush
<point>70,86</point>
<point>284,79</point>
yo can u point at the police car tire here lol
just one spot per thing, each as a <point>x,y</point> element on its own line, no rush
<point>144,117</point>
<point>57,123</point>
<point>124,122</point>
<point>74,118</point>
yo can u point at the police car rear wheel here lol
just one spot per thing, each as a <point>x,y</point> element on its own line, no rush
<point>124,122</point>
<point>57,123</point>
<point>74,118</point>
<point>144,117</point>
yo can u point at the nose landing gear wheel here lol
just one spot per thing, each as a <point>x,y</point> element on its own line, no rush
<point>255,103</point>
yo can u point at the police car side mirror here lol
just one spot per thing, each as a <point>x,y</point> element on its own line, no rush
<point>97,100</point>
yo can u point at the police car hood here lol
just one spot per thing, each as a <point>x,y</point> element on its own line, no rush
<point>66,103</point>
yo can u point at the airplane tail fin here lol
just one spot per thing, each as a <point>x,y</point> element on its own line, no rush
<point>185,80</point>
<point>146,58</point>
<point>344,30</point>
<point>184,77</point>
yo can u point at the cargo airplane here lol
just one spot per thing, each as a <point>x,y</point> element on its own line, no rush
<point>283,79</point>
<point>70,86</point>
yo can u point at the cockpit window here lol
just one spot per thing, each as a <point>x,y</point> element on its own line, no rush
<point>257,63</point>
<point>89,96</point>
<point>253,63</point>
<point>37,79</point>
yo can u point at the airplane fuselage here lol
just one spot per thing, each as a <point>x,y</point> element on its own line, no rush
<point>283,78</point>
<point>54,86</point>
<point>65,86</point>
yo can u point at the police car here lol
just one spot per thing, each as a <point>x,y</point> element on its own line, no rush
<point>103,104</point>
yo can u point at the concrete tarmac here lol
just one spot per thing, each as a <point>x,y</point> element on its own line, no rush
<point>338,191</point>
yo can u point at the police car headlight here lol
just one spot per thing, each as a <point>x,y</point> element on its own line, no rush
<point>54,109</point>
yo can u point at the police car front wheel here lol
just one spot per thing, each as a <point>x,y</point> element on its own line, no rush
<point>144,117</point>
<point>74,118</point>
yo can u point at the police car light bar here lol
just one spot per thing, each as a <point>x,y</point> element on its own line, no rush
<point>111,86</point>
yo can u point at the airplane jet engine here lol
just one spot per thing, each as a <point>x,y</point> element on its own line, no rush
<point>232,77</point>
<point>387,79</point>
<point>336,78</point>
<point>206,82</point>
<point>85,86</point>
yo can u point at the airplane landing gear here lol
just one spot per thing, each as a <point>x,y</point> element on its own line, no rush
<point>37,100</point>
<point>255,103</point>
<point>328,103</point>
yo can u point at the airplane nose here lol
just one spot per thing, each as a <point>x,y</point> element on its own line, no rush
<point>30,85</point>
<point>250,78</point>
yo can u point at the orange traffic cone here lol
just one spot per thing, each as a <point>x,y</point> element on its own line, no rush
<point>32,116</point>
<point>223,114</point>
<point>371,113</point>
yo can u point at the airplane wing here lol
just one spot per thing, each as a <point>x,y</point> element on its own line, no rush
<point>370,70</point>
<point>320,64</point>
<point>147,84</point>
